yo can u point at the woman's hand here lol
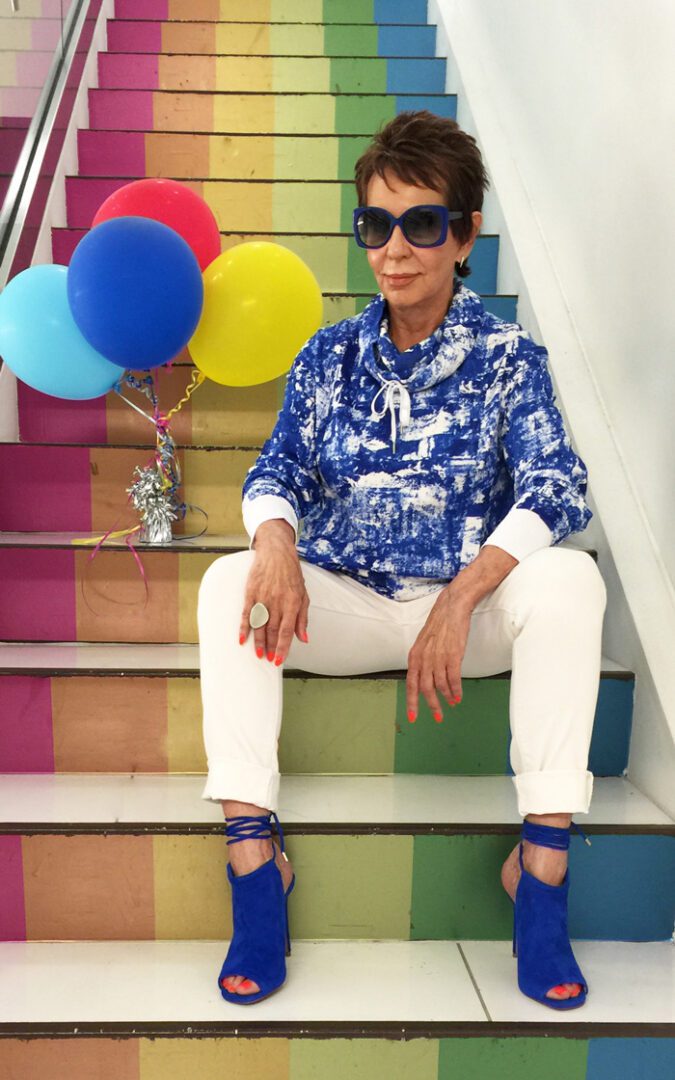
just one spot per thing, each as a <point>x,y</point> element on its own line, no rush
<point>276,580</point>
<point>435,659</point>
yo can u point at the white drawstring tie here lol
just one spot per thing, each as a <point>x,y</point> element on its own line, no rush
<point>391,389</point>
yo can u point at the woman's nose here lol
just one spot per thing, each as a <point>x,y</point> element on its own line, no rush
<point>397,244</point>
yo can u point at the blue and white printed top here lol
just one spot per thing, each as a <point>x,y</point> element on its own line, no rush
<point>402,465</point>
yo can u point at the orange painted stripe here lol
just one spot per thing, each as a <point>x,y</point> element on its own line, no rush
<point>192,72</point>
<point>182,112</point>
<point>189,37</point>
<point>176,155</point>
<point>111,599</point>
<point>77,1059</point>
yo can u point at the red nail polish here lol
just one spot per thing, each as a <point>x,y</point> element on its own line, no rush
<point>259,652</point>
<point>411,716</point>
<point>278,660</point>
<point>438,717</point>
<point>270,656</point>
<point>242,639</point>
<point>304,636</point>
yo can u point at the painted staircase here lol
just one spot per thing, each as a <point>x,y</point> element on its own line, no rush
<point>115,907</point>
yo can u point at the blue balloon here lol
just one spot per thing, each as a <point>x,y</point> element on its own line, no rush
<point>40,342</point>
<point>136,291</point>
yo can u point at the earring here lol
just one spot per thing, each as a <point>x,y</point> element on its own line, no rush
<point>461,264</point>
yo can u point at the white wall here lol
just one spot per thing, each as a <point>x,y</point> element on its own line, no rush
<point>573,105</point>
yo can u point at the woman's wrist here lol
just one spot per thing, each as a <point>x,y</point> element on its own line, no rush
<point>275,531</point>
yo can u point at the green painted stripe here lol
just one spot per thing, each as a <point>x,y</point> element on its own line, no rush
<point>298,41</point>
<point>359,275</point>
<point>350,41</point>
<point>358,76</point>
<point>350,150</point>
<point>362,115</point>
<point>298,158</point>
<point>305,115</point>
<point>365,1059</point>
<point>294,75</point>
<point>512,1059</point>
<point>348,11</point>
<point>305,11</point>
<point>311,208</point>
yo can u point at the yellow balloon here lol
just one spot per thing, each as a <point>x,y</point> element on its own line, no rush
<point>261,303</point>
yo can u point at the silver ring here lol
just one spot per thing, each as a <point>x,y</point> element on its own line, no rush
<point>259,616</point>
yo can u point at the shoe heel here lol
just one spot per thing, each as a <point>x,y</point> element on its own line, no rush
<point>288,934</point>
<point>515,952</point>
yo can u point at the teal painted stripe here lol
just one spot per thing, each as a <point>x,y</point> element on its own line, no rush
<point>630,1059</point>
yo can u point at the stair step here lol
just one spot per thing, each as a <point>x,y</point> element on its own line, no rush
<point>270,39</point>
<point>391,996</point>
<point>105,857</point>
<point>312,11</point>
<point>279,114</point>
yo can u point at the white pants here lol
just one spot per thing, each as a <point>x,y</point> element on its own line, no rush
<point>543,621</point>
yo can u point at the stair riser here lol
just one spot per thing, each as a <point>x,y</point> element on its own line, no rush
<point>106,723</point>
<point>401,887</point>
<point>276,11</point>
<point>473,1057</point>
<point>259,75</point>
<point>275,39</point>
<point>291,114</point>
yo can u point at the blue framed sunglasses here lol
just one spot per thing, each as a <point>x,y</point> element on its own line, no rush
<point>422,226</point>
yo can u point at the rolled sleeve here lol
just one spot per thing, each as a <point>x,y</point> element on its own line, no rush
<point>267,508</point>
<point>521,533</point>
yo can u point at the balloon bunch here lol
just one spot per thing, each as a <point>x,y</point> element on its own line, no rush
<point>144,282</point>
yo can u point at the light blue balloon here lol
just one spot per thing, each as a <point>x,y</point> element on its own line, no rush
<point>41,343</point>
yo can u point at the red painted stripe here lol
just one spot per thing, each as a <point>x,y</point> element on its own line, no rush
<point>26,741</point>
<point>128,71</point>
<point>12,904</point>
<point>111,153</point>
<point>121,110</point>
<point>37,586</point>
<point>45,490</point>
<point>134,36</point>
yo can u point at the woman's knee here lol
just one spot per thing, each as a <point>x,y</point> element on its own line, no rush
<point>225,576</point>
<point>565,577</point>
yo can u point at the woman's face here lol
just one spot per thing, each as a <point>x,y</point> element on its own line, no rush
<point>411,277</point>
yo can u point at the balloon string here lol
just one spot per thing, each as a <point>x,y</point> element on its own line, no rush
<point>198,378</point>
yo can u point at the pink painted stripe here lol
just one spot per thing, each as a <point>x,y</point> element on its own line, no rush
<point>37,586</point>
<point>11,141</point>
<point>45,489</point>
<point>121,110</point>
<point>84,196</point>
<point>134,36</point>
<point>141,9</point>
<point>47,419</point>
<point>26,740</point>
<point>46,33</point>
<point>111,153</point>
<point>64,242</point>
<point>12,904</point>
<point>128,71</point>
<point>19,100</point>
<point>32,68</point>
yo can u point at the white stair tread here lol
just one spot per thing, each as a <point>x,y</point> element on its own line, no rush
<point>366,981</point>
<point>69,798</point>
<point>65,539</point>
<point>57,655</point>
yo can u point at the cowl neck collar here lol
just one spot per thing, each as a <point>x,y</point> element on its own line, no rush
<point>433,360</point>
<point>438,356</point>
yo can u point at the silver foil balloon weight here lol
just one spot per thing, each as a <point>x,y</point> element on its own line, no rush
<point>154,501</point>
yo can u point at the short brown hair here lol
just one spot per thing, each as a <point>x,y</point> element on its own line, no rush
<point>432,151</point>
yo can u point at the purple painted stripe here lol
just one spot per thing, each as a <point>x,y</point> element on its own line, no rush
<point>84,196</point>
<point>26,740</point>
<point>111,153</point>
<point>37,586</point>
<point>45,490</point>
<point>12,906</point>
<point>141,9</point>
<point>47,419</point>
<point>64,242</point>
<point>134,36</point>
<point>121,110</point>
<point>128,71</point>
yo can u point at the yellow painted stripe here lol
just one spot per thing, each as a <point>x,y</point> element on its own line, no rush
<point>248,40</point>
<point>315,115</point>
<point>309,75</point>
<point>245,10</point>
<point>233,157</point>
<point>241,207</point>
<point>240,73</point>
<point>209,1059</point>
<point>243,112</point>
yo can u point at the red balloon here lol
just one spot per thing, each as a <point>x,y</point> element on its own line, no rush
<point>172,203</point>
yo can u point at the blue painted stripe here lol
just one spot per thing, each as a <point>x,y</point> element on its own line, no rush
<point>630,1059</point>
<point>611,727</point>
<point>442,106</point>
<point>400,11</point>
<point>416,76</point>
<point>504,307</point>
<point>406,41</point>
<point>622,887</point>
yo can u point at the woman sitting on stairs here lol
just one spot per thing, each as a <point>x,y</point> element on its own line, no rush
<point>421,446</point>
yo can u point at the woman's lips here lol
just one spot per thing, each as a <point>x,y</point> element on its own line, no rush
<point>399,279</point>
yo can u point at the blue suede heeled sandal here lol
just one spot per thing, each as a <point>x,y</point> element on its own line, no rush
<point>540,936</point>
<point>260,937</point>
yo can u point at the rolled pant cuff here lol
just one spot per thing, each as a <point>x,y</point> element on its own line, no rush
<point>554,792</point>
<point>242,781</point>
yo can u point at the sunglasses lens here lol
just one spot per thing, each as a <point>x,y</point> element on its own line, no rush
<point>373,228</point>
<point>423,225</point>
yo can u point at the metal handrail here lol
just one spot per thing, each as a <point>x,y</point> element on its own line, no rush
<point>27,171</point>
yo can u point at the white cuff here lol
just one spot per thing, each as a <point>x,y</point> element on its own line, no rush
<point>521,533</point>
<point>265,508</point>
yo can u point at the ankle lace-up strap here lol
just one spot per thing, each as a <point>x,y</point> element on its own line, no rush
<point>254,828</point>
<point>549,836</point>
